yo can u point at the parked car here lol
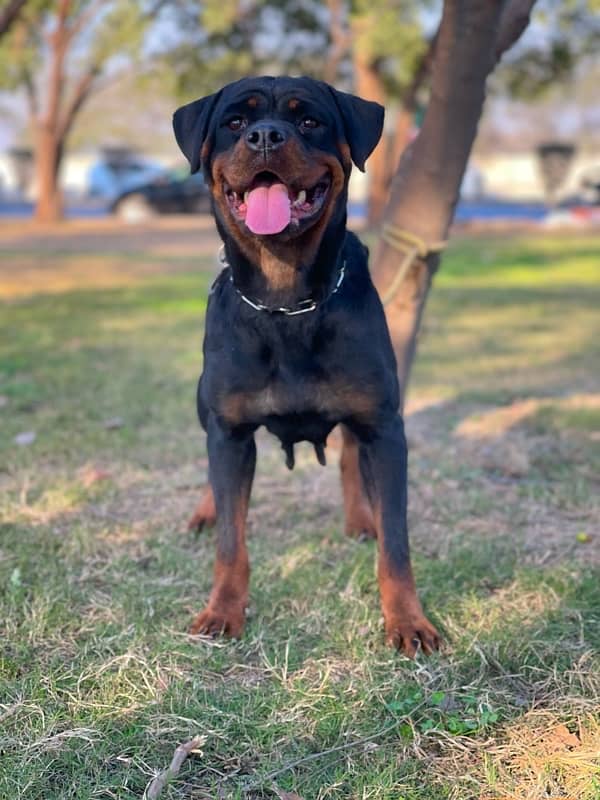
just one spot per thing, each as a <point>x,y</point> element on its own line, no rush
<point>119,170</point>
<point>171,192</point>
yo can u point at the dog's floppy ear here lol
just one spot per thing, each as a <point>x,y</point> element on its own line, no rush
<point>191,126</point>
<point>363,124</point>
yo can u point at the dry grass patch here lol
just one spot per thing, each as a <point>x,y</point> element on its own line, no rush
<point>541,757</point>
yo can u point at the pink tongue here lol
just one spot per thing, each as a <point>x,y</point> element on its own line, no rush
<point>268,209</point>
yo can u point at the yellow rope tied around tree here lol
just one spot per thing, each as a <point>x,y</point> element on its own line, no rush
<point>412,246</point>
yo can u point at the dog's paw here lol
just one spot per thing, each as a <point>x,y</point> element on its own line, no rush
<point>412,635</point>
<point>199,520</point>
<point>205,513</point>
<point>360,523</point>
<point>215,621</point>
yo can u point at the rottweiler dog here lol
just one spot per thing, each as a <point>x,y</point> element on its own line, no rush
<point>296,337</point>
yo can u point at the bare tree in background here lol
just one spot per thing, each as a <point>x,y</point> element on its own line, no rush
<point>57,50</point>
<point>472,37</point>
<point>53,124</point>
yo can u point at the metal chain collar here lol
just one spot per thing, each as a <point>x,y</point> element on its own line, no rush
<point>302,307</point>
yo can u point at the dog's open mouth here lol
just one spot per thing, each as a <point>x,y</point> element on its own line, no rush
<point>268,206</point>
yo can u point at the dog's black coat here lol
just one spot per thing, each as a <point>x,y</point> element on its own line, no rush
<point>345,340</point>
<point>301,375</point>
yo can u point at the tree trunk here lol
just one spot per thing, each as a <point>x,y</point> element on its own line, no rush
<point>472,36</point>
<point>49,138</point>
<point>49,206</point>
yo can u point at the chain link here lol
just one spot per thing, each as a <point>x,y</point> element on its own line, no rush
<point>303,307</point>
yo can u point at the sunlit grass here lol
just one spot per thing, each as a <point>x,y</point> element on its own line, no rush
<point>550,260</point>
<point>518,314</point>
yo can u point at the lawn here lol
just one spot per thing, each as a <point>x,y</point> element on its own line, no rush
<point>102,461</point>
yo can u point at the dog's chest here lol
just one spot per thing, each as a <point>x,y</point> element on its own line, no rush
<point>286,375</point>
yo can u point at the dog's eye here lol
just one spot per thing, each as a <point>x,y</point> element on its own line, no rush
<point>309,123</point>
<point>237,124</point>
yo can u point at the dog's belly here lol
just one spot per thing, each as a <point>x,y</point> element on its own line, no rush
<point>305,406</point>
<point>304,427</point>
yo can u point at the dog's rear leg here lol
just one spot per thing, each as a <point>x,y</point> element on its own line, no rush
<point>232,458</point>
<point>205,513</point>
<point>357,508</point>
<point>383,462</point>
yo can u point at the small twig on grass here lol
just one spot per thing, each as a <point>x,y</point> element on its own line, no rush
<point>158,783</point>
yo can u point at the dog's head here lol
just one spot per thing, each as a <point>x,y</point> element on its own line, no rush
<point>276,153</point>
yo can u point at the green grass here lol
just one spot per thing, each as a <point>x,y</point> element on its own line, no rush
<point>99,682</point>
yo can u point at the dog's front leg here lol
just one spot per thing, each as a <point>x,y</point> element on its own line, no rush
<point>383,461</point>
<point>232,458</point>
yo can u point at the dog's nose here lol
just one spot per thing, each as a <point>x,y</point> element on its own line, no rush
<point>265,136</point>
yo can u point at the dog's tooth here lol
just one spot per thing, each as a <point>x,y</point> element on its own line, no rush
<point>301,198</point>
<point>246,193</point>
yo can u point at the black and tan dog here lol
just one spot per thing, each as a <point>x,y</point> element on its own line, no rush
<point>296,338</point>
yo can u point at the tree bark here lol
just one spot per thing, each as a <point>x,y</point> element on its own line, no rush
<point>48,155</point>
<point>49,144</point>
<point>472,37</point>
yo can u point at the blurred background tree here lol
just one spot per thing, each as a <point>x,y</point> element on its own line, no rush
<point>59,52</point>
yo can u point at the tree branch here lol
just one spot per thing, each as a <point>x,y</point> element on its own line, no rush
<point>9,14</point>
<point>515,19</point>
<point>158,783</point>
<point>87,81</point>
<point>59,41</point>
<point>84,17</point>
<point>64,9</point>
<point>81,92</point>
<point>100,85</point>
